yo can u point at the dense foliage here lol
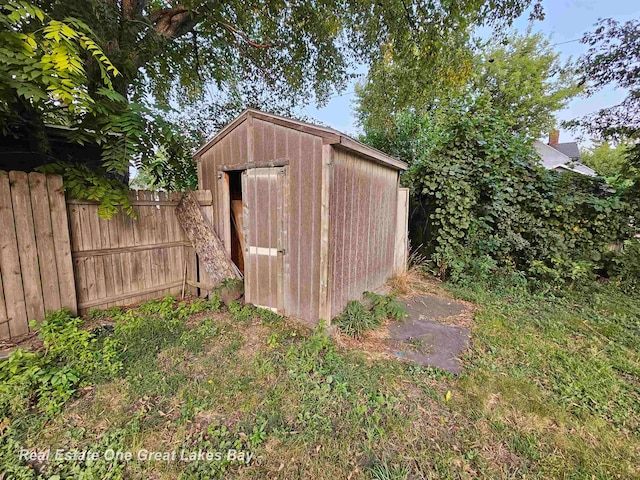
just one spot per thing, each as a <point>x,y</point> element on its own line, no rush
<point>609,161</point>
<point>138,71</point>
<point>73,357</point>
<point>521,75</point>
<point>42,66</point>
<point>483,203</point>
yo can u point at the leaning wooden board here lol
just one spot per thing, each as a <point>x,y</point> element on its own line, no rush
<point>204,240</point>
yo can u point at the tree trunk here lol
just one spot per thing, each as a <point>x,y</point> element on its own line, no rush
<point>205,241</point>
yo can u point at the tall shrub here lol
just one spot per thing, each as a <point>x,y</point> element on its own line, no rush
<point>481,201</point>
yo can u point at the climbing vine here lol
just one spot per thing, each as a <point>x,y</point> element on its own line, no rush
<point>482,202</point>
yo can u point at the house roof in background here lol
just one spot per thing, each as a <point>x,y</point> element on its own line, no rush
<point>578,167</point>
<point>553,159</point>
<point>570,149</point>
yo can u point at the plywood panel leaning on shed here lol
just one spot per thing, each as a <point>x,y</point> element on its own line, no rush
<point>335,216</point>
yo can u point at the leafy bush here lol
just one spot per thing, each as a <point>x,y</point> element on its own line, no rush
<point>625,266</point>
<point>71,357</point>
<point>357,318</point>
<point>482,203</point>
<point>385,306</point>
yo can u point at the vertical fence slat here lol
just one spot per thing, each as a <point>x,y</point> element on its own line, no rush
<point>107,260</point>
<point>96,244</point>
<point>27,249</point>
<point>4,320</point>
<point>16,312</point>
<point>86,212</point>
<point>44,241</point>
<point>149,270</point>
<point>114,241</point>
<point>160,255</point>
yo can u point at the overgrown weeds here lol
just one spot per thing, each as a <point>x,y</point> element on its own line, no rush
<point>550,387</point>
<point>358,317</point>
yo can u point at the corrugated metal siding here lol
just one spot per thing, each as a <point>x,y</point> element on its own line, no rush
<point>302,258</point>
<point>362,227</point>
<point>230,150</point>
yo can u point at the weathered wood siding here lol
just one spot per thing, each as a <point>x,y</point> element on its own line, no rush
<point>229,151</point>
<point>302,202</point>
<point>263,142</point>
<point>35,256</point>
<point>363,206</point>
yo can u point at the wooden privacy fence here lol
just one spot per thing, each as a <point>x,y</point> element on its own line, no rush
<point>56,254</point>
<point>122,260</point>
<point>35,256</point>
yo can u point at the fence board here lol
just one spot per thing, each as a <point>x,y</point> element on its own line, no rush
<point>62,243</point>
<point>10,264</point>
<point>27,250</point>
<point>44,241</point>
<point>132,260</point>
<point>4,321</point>
<point>35,253</point>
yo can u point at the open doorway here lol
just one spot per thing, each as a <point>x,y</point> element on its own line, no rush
<point>236,214</point>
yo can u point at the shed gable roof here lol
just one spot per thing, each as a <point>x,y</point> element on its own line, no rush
<point>330,136</point>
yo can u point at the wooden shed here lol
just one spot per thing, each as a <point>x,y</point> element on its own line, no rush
<point>312,217</point>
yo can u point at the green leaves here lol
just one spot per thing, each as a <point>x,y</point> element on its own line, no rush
<point>482,203</point>
<point>521,76</point>
<point>42,62</point>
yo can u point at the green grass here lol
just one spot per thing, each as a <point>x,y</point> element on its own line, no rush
<point>360,317</point>
<point>550,390</point>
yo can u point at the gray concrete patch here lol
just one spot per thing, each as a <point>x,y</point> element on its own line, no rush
<point>422,339</point>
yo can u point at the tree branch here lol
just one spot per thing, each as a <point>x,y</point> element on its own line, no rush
<point>174,22</point>
<point>132,8</point>
<point>246,39</point>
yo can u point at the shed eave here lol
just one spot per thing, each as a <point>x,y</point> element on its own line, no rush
<point>329,135</point>
<point>371,153</point>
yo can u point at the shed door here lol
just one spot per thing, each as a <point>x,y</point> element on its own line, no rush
<point>263,192</point>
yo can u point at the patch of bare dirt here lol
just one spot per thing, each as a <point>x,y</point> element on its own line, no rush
<point>255,337</point>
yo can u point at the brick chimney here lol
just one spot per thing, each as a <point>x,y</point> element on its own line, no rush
<point>554,137</point>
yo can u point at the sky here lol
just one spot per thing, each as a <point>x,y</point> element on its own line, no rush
<point>565,21</point>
